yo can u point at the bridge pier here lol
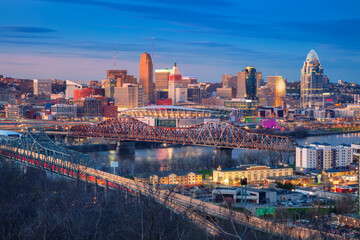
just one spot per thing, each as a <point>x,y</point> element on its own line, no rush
<point>127,147</point>
<point>86,182</point>
<point>221,155</point>
<point>106,189</point>
<point>126,196</point>
<point>95,189</point>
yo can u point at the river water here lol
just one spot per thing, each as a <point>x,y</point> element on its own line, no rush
<point>187,157</point>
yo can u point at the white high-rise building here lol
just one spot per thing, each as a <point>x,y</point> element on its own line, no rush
<point>322,156</point>
<point>175,81</point>
<point>70,87</point>
<point>42,87</point>
<point>181,95</point>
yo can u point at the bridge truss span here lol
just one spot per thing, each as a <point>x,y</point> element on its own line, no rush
<point>216,134</point>
<point>38,149</point>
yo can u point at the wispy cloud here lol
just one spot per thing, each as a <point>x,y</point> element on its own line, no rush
<point>25,29</point>
<point>195,19</point>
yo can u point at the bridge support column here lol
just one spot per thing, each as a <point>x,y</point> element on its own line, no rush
<point>126,196</point>
<point>106,190</point>
<point>221,155</point>
<point>77,178</point>
<point>127,147</point>
<point>95,189</point>
<point>86,182</point>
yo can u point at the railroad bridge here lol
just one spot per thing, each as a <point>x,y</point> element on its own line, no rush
<point>220,135</point>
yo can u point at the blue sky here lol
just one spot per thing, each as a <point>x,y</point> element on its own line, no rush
<point>74,39</point>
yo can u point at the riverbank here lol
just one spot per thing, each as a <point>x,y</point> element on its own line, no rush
<point>97,147</point>
<point>323,133</point>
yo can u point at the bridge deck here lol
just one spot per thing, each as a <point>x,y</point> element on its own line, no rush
<point>216,134</point>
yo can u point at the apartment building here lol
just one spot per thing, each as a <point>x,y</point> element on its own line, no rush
<point>182,178</point>
<point>322,156</point>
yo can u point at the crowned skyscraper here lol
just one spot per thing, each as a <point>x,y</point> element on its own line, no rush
<point>175,82</point>
<point>146,77</point>
<point>312,83</point>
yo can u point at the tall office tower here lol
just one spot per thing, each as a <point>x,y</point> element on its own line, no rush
<point>129,96</point>
<point>146,77</point>
<point>175,81</point>
<point>278,89</point>
<point>229,81</point>
<point>196,92</point>
<point>247,84</point>
<point>266,96</point>
<point>312,83</point>
<point>42,86</point>
<point>162,78</point>
<point>259,80</point>
<point>109,86</point>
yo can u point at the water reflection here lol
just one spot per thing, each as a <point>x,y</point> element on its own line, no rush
<point>186,157</point>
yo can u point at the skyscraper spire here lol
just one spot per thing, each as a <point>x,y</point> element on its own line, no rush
<point>312,56</point>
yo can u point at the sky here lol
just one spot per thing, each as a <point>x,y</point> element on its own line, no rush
<point>75,39</point>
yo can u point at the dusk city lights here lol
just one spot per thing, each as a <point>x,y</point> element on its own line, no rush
<point>156,119</point>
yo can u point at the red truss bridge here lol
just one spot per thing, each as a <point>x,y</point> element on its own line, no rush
<point>215,134</point>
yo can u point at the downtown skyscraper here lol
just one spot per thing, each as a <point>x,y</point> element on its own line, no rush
<point>277,85</point>
<point>312,82</point>
<point>247,84</point>
<point>146,77</point>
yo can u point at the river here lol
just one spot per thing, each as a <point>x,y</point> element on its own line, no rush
<point>188,157</point>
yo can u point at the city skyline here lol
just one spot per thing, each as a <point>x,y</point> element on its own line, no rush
<point>274,38</point>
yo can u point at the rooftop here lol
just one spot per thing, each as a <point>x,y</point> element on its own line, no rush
<point>246,167</point>
<point>312,56</point>
<point>166,173</point>
<point>8,133</point>
<point>175,70</point>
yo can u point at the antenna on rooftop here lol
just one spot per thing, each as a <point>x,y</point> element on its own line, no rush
<point>114,58</point>
<point>152,47</point>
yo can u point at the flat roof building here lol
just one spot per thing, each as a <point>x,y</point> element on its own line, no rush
<point>162,78</point>
<point>42,87</point>
<point>129,96</point>
<point>253,173</point>
<point>182,178</point>
<point>322,156</point>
